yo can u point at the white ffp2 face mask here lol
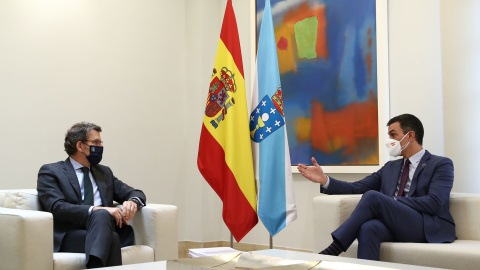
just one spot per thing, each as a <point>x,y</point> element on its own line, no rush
<point>394,148</point>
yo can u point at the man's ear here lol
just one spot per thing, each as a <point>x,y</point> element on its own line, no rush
<point>411,135</point>
<point>79,145</point>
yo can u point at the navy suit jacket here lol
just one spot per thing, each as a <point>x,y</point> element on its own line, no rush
<point>429,192</point>
<point>59,193</point>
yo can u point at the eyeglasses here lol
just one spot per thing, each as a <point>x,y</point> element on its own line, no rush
<point>95,142</point>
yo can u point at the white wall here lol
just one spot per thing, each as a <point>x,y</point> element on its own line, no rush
<point>461,87</point>
<point>120,64</point>
<point>415,66</point>
<point>141,70</point>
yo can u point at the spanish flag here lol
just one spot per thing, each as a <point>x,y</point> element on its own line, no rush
<point>225,153</point>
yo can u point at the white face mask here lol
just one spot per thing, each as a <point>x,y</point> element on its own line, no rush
<point>394,148</point>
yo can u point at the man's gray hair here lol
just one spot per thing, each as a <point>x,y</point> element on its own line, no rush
<point>78,132</point>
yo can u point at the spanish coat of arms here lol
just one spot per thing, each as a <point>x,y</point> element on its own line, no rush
<point>219,99</point>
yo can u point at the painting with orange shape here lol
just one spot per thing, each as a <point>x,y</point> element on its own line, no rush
<point>331,99</point>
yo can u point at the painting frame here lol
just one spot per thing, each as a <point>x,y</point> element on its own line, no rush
<point>381,16</point>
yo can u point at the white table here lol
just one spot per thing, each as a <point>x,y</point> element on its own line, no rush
<point>160,265</point>
<point>286,254</point>
<point>294,255</point>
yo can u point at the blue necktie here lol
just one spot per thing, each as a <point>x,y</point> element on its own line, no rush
<point>404,179</point>
<point>87,187</point>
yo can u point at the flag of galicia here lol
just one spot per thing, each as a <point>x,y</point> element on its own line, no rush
<point>268,133</point>
<point>265,119</point>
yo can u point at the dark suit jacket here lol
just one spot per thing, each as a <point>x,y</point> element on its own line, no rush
<point>429,192</point>
<point>59,193</point>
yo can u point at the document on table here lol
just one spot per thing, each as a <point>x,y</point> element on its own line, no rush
<point>202,252</point>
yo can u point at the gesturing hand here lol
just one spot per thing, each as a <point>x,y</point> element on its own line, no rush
<point>313,173</point>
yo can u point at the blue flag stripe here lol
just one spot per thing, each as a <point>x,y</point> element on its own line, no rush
<point>273,172</point>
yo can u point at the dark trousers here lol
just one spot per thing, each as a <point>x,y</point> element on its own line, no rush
<point>101,240</point>
<point>379,218</point>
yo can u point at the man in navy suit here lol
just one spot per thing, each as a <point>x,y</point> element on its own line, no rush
<point>80,193</point>
<point>407,200</point>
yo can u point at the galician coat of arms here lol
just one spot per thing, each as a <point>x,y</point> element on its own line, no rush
<point>219,99</point>
<point>267,117</point>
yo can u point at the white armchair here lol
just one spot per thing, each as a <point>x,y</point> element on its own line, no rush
<point>330,211</point>
<point>26,235</point>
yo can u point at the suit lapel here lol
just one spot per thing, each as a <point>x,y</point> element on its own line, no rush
<point>396,175</point>
<point>422,164</point>
<point>100,180</point>
<point>72,178</point>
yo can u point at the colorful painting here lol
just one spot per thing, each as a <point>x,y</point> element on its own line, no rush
<point>328,67</point>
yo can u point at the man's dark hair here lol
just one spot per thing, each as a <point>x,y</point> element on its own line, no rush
<point>409,122</point>
<point>78,132</point>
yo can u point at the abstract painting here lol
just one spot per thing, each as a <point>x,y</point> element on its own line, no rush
<point>327,53</point>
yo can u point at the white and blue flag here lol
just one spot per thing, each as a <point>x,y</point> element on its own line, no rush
<point>276,201</point>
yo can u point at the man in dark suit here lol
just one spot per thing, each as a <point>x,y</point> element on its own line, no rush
<point>80,193</point>
<point>407,200</point>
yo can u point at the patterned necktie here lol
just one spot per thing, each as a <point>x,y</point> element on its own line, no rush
<point>87,187</point>
<point>404,179</point>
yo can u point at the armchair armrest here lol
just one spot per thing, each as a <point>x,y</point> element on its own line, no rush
<point>28,233</point>
<point>329,212</point>
<point>155,225</point>
<point>464,209</point>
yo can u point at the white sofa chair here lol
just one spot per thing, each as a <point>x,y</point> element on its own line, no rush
<point>26,235</point>
<point>330,211</point>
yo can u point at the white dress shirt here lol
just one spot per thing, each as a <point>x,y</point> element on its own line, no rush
<point>97,200</point>
<point>414,161</point>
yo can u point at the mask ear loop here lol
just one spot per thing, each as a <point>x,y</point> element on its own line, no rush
<point>405,146</point>
<point>404,136</point>
<point>89,148</point>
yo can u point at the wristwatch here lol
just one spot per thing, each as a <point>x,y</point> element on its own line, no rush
<point>137,202</point>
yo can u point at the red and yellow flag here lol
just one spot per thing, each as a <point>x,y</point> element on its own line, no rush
<point>225,153</point>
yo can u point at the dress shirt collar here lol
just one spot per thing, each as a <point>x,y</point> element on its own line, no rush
<point>75,164</point>
<point>417,157</point>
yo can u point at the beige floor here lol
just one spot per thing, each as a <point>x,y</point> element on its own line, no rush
<point>184,246</point>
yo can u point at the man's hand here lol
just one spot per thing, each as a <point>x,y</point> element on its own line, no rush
<point>123,214</point>
<point>116,213</point>
<point>129,208</point>
<point>313,173</point>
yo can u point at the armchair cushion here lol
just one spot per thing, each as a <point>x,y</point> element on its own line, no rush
<point>68,261</point>
<point>25,199</point>
<point>130,255</point>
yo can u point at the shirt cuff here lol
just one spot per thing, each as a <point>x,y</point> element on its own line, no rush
<point>327,183</point>
<point>138,201</point>
<point>90,210</point>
